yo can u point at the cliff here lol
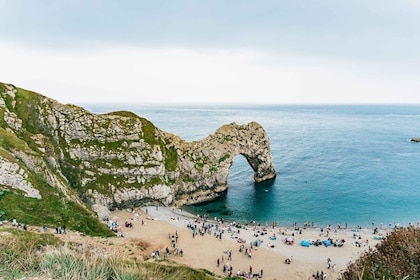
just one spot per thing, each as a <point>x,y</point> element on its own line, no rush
<point>117,159</point>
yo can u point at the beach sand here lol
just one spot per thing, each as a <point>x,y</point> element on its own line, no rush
<point>152,227</point>
<point>202,251</point>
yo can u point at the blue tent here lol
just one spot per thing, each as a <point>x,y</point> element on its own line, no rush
<point>326,243</point>
<point>305,243</point>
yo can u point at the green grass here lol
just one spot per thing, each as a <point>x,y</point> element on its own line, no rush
<point>223,158</point>
<point>171,271</point>
<point>187,179</point>
<point>125,114</point>
<point>27,254</point>
<point>26,108</point>
<point>149,132</point>
<point>113,146</point>
<point>212,169</point>
<point>8,102</point>
<point>2,87</point>
<point>171,158</point>
<point>155,180</point>
<point>10,141</point>
<point>20,252</point>
<point>51,210</point>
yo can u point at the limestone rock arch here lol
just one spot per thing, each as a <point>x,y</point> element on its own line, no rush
<point>120,159</point>
<point>206,177</point>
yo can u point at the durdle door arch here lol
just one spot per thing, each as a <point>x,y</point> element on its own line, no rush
<point>219,149</point>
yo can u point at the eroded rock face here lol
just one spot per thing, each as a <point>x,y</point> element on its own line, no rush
<point>122,160</point>
<point>13,176</point>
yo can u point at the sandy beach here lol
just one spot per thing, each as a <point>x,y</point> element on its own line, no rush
<point>158,226</point>
<point>142,232</point>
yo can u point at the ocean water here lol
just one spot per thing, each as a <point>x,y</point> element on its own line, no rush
<point>335,164</point>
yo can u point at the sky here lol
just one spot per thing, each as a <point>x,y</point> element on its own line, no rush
<point>218,52</point>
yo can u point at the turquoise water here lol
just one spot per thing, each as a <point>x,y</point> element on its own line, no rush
<point>335,164</point>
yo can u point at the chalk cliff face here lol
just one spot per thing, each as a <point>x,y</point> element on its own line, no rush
<point>117,159</point>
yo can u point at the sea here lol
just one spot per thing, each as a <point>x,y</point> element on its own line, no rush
<point>336,165</point>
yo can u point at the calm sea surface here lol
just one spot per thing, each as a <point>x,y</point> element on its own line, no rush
<point>335,164</point>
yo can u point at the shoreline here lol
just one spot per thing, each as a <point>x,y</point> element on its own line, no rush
<point>266,245</point>
<point>309,225</point>
<point>214,245</point>
<point>172,215</point>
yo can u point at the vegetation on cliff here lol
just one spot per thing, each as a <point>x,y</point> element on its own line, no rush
<point>24,112</point>
<point>60,161</point>
<point>397,257</point>
<point>53,210</point>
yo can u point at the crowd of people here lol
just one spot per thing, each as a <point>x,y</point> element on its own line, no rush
<point>247,236</point>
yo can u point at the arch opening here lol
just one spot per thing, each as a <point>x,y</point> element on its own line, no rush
<point>241,195</point>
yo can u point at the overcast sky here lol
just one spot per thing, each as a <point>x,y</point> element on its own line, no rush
<point>291,51</point>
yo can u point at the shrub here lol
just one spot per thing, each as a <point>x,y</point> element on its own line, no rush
<point>397,257</point>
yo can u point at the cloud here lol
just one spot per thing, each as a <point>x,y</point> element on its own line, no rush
<point>174,75</point>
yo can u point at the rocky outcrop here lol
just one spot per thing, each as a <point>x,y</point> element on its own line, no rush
<point>415,140</point>
<point>13,176</point>
<point>119,159</point>
<point>207,162</point>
